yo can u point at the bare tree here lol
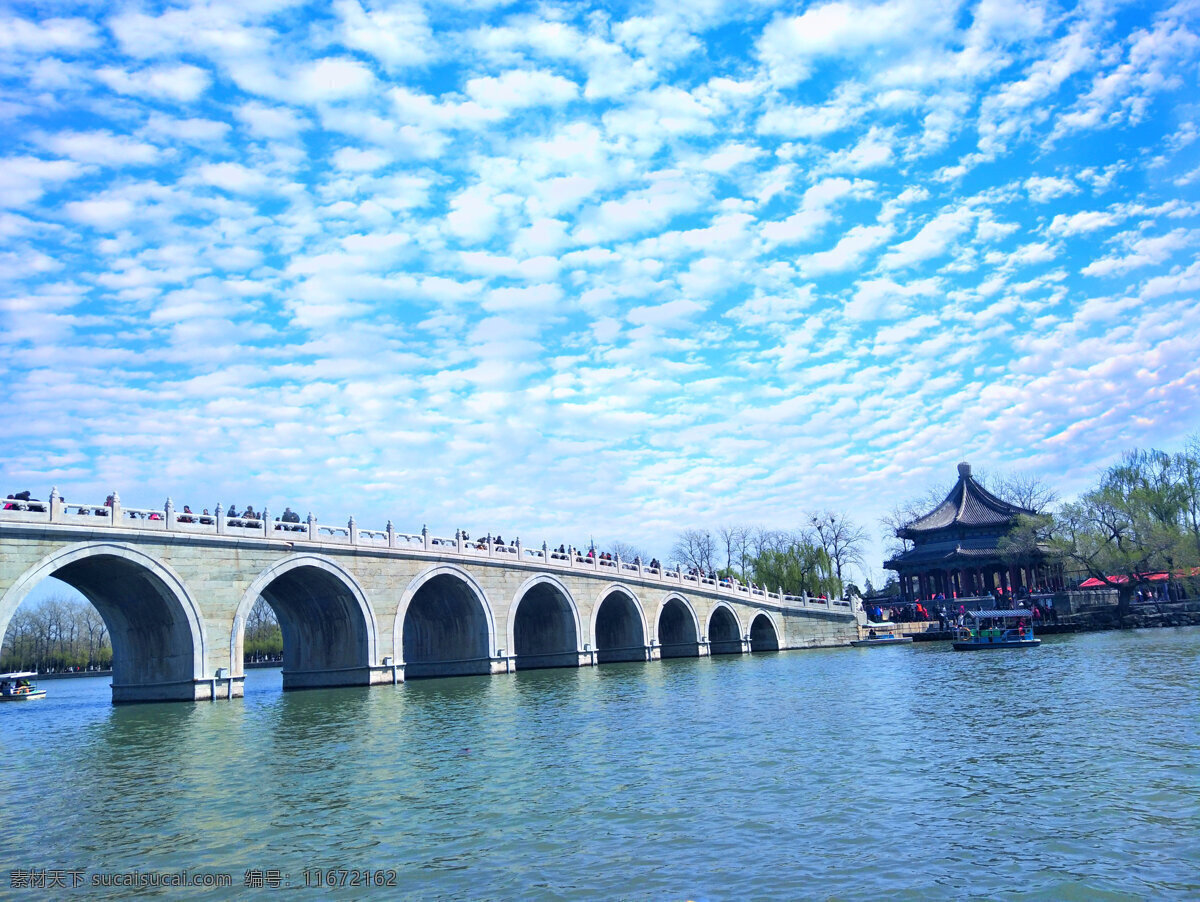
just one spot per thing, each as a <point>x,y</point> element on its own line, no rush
<point>844,540</point>
<point>1024,490</point>
<point>627,552</point>
<point>696,549</point>
<point>734,541</point>
<point>261,618</point>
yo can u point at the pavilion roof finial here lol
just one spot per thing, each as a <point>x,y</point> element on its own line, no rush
<point>964,470</point>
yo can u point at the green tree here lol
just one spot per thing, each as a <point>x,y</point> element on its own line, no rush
<point>797,568</point>
<point>1133,523</point>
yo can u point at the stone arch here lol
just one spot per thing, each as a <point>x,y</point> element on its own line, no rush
<point>543,625</point>
<point>619,630</point>
<point>444,625</point>
<point>160,647</point>
<point>764,635</point>
<point>724,630</point>
<point>677,628</point>
<point>330,635</point>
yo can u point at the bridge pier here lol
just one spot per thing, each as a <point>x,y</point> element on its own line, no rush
<point>332,679</point>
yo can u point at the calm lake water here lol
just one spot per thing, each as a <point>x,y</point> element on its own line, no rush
<point>1071,771</point>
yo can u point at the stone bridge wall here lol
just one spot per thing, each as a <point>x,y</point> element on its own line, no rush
<point>176,597</point>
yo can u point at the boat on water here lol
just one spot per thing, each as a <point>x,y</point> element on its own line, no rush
<point>874,639</point>
<point>20,687</point>
<point>998,629</point>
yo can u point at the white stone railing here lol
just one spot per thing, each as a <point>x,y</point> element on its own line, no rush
<point>112,514</point>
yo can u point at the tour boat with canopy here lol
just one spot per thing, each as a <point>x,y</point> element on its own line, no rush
<point>998,629</point>
<point>19,687</point>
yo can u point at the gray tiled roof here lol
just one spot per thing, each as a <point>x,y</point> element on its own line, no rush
<point>968,504</point>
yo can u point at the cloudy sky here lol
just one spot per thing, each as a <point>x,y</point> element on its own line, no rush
<point>566,271</point>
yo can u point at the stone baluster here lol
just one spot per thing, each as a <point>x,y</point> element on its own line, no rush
<point>570,555</point>
<point>266,522</point>
<point>352,530</point>
<point>638,561</point>
<point>115,510</point>
<point>391,533</point>
<point>220,518</point>
<point>312,526</point>
<point>781,594</point>
<point>545,552</point>
<point>491,548</point>
<point>425,536</point>
<point>56,506</point>
<point>595,560</point>
<point>520,554</point>
<point>460,544</point>
<point>170,510</point>
<point>679,573</point>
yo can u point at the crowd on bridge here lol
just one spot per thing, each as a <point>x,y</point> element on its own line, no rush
<point>22,501</point>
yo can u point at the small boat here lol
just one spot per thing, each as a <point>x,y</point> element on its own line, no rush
<point>873,640</point>
<point>19,687</point>
<point>998,629</point>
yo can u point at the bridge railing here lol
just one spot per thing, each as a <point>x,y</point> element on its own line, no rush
<point>114,515</point>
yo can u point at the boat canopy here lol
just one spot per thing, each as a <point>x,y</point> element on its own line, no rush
<point>1020,613</point>
<point>24,675</point>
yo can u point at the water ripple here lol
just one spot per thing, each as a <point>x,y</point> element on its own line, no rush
<point>1069,772</point>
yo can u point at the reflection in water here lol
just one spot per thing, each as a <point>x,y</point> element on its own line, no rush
<point>1069,769</point>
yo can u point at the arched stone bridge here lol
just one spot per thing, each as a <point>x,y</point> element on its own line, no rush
<point>362,607</point>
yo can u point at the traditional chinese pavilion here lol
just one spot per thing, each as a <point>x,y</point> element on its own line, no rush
<point>956,547</point>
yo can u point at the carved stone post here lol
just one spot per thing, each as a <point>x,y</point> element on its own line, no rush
<point>56,506</point>
<point>391,533</point>
<point>115,510</point>
<point>266,523</point>
<point>170,510</point>
<point>352,529</point>
<point>312,527</point>
<point>425,536</point>
<point>220,516</point>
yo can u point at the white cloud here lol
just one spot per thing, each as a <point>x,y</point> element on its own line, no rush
<point>331,79</point>
<point>1142,252</point>
<point>101,147</point>
<point>1068,224</point>
<point>25,179</point>
<point>52,35</point>
<point>398,36</point>
<point>1044,189</point>
<point>232,177</point>
<point>355,160</point>
<point>271,122</point>
<point>519,88</point>
<point>886,299</point>
<point>790,46</point>
<point>814,212</point>
<point>849,252</point>
<point>934,240</point>
<point>182,84</point>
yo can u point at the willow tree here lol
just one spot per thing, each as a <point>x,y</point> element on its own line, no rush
<point>1135,522</point>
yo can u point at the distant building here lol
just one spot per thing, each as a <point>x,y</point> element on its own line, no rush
<point>956,548</point>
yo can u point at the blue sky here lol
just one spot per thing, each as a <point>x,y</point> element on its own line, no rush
<point>566,271</point>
